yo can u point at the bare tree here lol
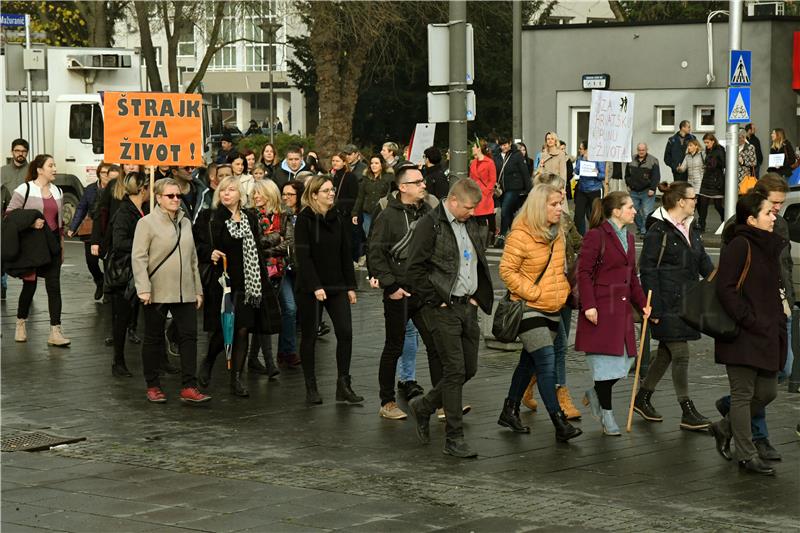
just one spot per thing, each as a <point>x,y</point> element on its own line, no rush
<point>616,8</point>
<point>148,50</point>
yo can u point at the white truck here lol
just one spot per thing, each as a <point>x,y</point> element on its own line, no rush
<point>66,116</point>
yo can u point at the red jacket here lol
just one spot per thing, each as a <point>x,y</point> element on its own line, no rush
<point>484,174</point>
<point>608,284</point>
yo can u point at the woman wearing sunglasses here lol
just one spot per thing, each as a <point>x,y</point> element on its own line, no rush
<point>165,270</point>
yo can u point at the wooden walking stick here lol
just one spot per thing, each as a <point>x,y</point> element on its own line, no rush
<point>638,365</point>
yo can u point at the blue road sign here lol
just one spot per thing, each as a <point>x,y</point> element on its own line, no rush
<point>738,105</point>
<point>740,68</point>
<point>12,19</point>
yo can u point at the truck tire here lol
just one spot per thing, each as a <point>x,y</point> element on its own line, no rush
<point>70,207</point>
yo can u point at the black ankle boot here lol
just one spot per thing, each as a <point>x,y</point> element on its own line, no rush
<point>272,369</point>
<point>509,417</point>
<point>312,394</point>
<point>120,370</point>
<point>237,387</point>
<point>564,430</point>
<point>344,391</point>
<point>691,419</point>
<point>644,408</point>
<point>204,373</point>
<point>254,365</point>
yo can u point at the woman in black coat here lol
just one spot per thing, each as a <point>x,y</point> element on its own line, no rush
<point>228,232</point>
<point>753,359</point>
<point>325,277</point>
<point>673,259</point>
<point>712,188</point>
<point>346,185</point>
<point>122,227</point>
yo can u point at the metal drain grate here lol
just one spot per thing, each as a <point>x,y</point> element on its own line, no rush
<point>34,442</point>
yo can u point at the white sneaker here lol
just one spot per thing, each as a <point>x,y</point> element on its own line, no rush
<point>392,412</point>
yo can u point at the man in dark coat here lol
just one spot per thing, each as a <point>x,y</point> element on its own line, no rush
<point>387,256</point>
<point>513,177</point>
<point>675,150</point>
<point>750,129</point>
<point>448,272</point>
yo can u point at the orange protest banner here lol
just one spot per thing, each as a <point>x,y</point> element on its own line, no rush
<point>153,128</point>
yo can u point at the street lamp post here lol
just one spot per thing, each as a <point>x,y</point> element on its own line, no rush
<point>271,28</point>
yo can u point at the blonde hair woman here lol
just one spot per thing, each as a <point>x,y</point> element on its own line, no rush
<point>533,268</point>
<point>266,208</point>
<point>552,159</point>
<point>573,246</point>
<point>325,277</point>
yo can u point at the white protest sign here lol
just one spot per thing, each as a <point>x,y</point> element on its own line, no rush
<point>611,126</point>
<point>776,160</point>
<point>420,141</point>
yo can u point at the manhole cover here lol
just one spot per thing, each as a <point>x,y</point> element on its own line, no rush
<point>34,442</point>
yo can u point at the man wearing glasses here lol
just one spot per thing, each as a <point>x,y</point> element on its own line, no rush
<point>387,253</point>
<point>12,176</point>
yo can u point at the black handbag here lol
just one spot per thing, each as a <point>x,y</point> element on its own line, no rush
<point>508,315</point>
<point>703,311</point>
<point>118,272</point>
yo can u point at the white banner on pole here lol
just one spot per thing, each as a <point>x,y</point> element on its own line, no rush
<point>611,126</point>
<point>422,139</point>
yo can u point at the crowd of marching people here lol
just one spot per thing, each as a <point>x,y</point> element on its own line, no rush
<point>263,245</point>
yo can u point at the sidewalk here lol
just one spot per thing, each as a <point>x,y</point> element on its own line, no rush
<point>269,463</point>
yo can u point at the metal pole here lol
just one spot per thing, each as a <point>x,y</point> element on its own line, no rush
<point>516,69</point>
<point>732,153</point>
<point>31,136</point>
<point>271,89</point>
<point>458,89</point>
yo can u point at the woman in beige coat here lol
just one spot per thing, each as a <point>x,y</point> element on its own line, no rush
<point>167,279</point>
<point>552,160</point>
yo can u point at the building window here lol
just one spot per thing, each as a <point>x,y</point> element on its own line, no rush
<point>704,118</point>
<point>556,20</point>
<point>665,118</point>
<point>186,49</point>
<point>158,55</point>
<point>225,105</point>
<point>225,58</point>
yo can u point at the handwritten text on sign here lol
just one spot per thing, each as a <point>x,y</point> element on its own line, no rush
<point>611,126</point>
<point>153,128</point>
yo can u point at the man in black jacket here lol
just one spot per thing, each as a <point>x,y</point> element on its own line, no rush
<point>448,272</point>
<point>515,181</point>
<point>750,129</point>
<point>389,240</point>
<point>675,150</point>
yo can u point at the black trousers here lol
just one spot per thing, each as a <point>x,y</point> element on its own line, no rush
<point>121,311</point>
<point>456,335</point>
<point>702,209</point>
<point>396,314</point>
<point>490,222</point>
<point>92,263</point>
<point>583,208</point>
<point>52,283</point>
<point>184,316</point>
<point>309,309</point>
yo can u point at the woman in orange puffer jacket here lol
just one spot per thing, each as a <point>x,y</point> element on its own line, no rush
<point>533,268</point>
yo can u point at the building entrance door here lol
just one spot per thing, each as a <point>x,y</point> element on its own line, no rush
<point>579,128</point>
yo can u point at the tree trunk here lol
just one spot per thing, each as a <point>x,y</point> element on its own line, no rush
<point>338,78</point>
<point>148,51</point>
<point>616,8</point>
<point>211,49</point>
<point>94,13</point>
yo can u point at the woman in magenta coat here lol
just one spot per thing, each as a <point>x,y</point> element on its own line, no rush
<point>483,172</point>
<point>608,285</point>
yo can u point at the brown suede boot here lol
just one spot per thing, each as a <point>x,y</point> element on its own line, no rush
<point>565,401</point>
<point>527,398</point>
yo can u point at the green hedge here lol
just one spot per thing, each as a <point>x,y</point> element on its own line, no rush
<point>256,143</point>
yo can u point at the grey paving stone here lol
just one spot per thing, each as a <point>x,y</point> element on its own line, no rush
<point>99,505</point>
<point>338,519</point>
<point>174,515</point>
<point>388,525</point>
<point>8,527</point>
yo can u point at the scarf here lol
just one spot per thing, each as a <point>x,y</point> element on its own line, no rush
<point>252,273</point>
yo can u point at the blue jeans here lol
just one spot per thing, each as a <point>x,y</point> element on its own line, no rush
<point>758,424</point>
<point>509,203</point>
<point>287,339</point>
<point>366,223</point>
<point>542,363</point>
<point>560,345</point>
<point>644,205</point>
<point>407,364</point>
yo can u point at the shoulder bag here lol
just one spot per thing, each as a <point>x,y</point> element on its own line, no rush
<point>508,315</point>
<point>703,311</point>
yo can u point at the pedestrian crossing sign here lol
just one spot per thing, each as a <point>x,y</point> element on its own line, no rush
<point>740,68</point>
<point>738,105</point>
